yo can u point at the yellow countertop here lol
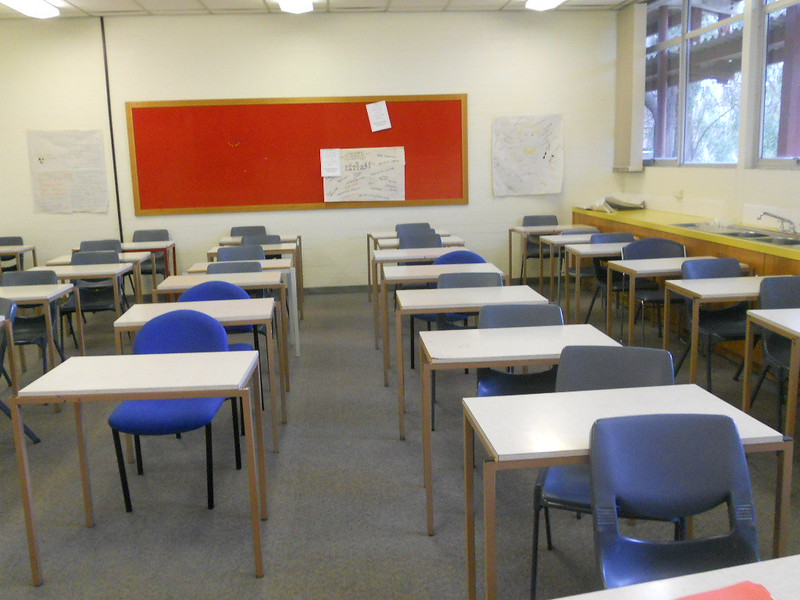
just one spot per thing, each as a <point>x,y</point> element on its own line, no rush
<point>667,222</point>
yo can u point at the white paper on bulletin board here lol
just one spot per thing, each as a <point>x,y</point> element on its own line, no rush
<point>527,155</point>
<point>368,175</point>
<point>68,171</point>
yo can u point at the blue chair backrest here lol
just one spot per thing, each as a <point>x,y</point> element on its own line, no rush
<point>423,239</point>
<point>95,257</point>
<point>532,220</point>
<point>243,230</point>
<point>234,266</point>
<point>494,316</point>
<point>780,292</point>
<point>708,268</point>
<point>408,227</point>
<point>28,278</point>
<point>609,367</point>
<point>150,235</point>
<point>653,248</point>
<point>258,240</point>
<point>459,257</point>
<point>96,245</point>
<point>181,331</point>
<point>11,240</point>
<point>611,238</point>
<point>214,290</point>
<point>464,280</point>
<point>240,253</point>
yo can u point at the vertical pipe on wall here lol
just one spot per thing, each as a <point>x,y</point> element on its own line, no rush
<point>111,128</point>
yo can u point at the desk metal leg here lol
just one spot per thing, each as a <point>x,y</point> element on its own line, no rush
<point>385,319</point>
<point>631,307</point>
<point>469,507</point>
<point>84,462</point>
<point>273,386</point>
<point>695,335</point>
<point>401,396</point>
<point>609,323</point>
<point>490,527</point>
<point>375,302</point>
<point>427,459</point>
<point>780,534</point>
<point>748,363</point>
<point>510,255</point>
<point>253,485</point>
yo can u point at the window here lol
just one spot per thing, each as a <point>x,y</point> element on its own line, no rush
<point>694,82</point>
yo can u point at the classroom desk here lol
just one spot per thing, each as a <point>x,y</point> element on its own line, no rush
<point>704,291</point>
<point>293,248</point>
<point>252,311</point>
<point>175,285</point>
<point>394,243</point>
<point>418,274</point>
<point>18,251</point>
<point>542,430</point>
<point>524,232</point>
<point>786,322</point>
<point>496,348</point>
<point>285,266</point>
<point>135,258</point>
<point>286,238</point>
<point>165,247</point>
<point>643,267</point>
<point>44,296</point>
<point>449,300</point>
<point>141,377</point>
<point>781,577</point>
<point>396,256</point>
<point>372,244</point>
<point>111,271</point>
<point>556,242</point>
<point>576,253</point>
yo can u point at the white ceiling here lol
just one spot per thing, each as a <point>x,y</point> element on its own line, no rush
<point>113,8</point>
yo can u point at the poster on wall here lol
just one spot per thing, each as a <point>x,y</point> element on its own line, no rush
<point>527,155</point>
<point>68,171</point>
<point>365,174</point>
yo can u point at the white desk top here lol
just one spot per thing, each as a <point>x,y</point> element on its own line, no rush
<point>781,576</point>
<point>719,288</point>
<point>34,293</point>
<point>225,311</point>
<point>236,240</point>
<point>145,374</point>
<point>563,240</point>
<point>447,240</point>
<point>66,259</point>
<point>382,235</point>
<point>19,249</point>
<point>545,229</point>
<point>554,425</point>
<point>785,320</point>
<point>147,246</point>
<point>432,272</point>
<point>276,248</point>
<point>266,265</point>
<point>409,254</point>
<point>510,343</point>
<point>653,266</point>
<point>87,271</point>
<point>183,282</point>
<point>598,250</point>
<point>453,299</point>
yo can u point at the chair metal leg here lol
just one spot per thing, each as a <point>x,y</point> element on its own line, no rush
<point>137,447</point>
<point>5,410</point>
<point>708,363</point>
<point>591,304</point>
<point>410,340</point>
<point>123,477</point>
<point>209,468</point>
<point>237,447</point>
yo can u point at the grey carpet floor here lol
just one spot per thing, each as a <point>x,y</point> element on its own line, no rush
<point>347,512</point>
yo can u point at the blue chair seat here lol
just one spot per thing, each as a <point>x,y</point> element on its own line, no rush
<point>492,382</point>
<point>164,417</point>
<point>569,486</point>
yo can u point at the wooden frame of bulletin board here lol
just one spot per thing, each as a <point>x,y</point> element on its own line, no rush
<point>203,156</point>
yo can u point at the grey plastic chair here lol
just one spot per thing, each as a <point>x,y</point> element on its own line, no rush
<point>236,266</point>
<point>591,368</point>
<point>258,240</point>
<point>99,245</point>
<point>618,282</point>
<point>420,239</point>
<point>153,235</point>
<point>243,230</point>
<point>237,253</point>
<point>402,228</point>
<point>492,382</point>
<point>8,262</point>
<point>531,247</point>
<point>32,330</point>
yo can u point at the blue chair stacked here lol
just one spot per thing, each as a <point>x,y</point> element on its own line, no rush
<point>174,332</point>
<point>669,467</point>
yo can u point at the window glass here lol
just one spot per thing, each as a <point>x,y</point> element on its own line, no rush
<point>705,12</point>
<point>713,94</point>
<point>663,21</point>
<point>780,134</point>
<point>661,104</point>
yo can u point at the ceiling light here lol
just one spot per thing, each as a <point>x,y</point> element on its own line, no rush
<point>38,9</point>
<point>296,7</point>
<point>542,4</point>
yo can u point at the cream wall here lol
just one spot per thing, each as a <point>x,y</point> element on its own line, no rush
<point>508,64</point>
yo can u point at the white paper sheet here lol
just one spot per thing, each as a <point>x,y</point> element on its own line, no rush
<point>369,174</point>
<point>378,114</point>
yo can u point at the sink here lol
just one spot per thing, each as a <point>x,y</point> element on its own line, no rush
<point>782,241</point>
<point>744,234</point>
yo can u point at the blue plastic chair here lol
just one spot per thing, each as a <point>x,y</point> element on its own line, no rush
<point>174,332</point>
<point>531,247</point>
<point>777,292</point>
<point>492,382</point>
<point>9,261</point>
<point>243,230</point>
<point>100,245</point>
<point>226,253</point>
<point>157,262</point>
<point>402,228</point>
<point>601,272</point>
<point>591,368</point>
<point>221,290</point>
<point>420,239</point>
<point>668,467</point>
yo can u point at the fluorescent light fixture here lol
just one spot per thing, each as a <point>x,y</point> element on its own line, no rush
<point>296,7</point>
<point>542,4</point>
<point>38,9</point>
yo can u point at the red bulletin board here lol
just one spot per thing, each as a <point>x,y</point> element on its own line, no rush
<point>263,154</point>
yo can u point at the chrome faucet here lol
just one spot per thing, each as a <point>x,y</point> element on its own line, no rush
<point>786,226</point>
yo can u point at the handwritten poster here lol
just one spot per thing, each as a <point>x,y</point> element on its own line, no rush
<point>68,171</point>
<point>527,155</point>
<point>368,175</point>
